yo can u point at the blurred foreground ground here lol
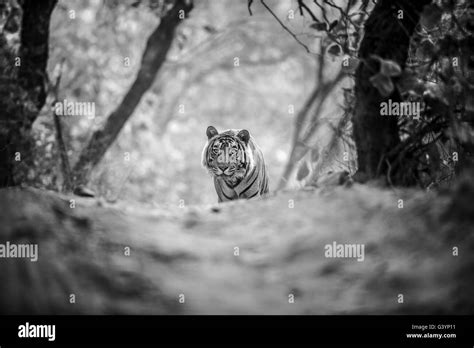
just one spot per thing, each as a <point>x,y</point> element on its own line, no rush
<point>191,251</point>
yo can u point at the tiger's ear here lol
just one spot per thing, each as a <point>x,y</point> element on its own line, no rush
<point>244,135</point>
<point>211,131</point>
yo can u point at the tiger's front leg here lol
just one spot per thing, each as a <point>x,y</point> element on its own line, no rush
<point>224,192</point>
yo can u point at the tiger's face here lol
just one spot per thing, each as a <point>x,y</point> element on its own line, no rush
<point>226,155</point>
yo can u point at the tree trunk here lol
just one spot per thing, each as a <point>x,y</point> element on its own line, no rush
<point>387,35</point>
<point>153,58</point>
<point>23,90</point>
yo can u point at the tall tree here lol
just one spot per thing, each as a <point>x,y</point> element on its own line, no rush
<point>387,36</point>
<point>153,58</point>
<point>22,86</point>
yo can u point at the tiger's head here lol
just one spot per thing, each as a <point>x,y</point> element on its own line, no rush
<point>228,155</point>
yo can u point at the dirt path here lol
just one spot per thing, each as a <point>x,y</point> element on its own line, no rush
<point>281,255</point>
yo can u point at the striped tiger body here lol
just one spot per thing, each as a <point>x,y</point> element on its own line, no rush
<point>236,163</point>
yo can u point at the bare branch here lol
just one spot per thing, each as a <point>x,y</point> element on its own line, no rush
<point>285,27</point>
<point>65,165</point>
<point>302,6</point>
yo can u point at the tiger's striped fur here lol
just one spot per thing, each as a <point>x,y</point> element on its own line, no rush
<point>236,163</point>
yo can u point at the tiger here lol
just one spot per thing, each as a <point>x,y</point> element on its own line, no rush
<point>236,164</point>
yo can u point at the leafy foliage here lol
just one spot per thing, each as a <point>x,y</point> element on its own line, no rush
<point>439,76</point>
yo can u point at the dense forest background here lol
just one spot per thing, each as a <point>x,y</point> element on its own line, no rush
<point>197,86</point>
<point>286,72</point>
<point>201,84</point>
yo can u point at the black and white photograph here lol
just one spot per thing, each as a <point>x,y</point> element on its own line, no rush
<point>241,160</point>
